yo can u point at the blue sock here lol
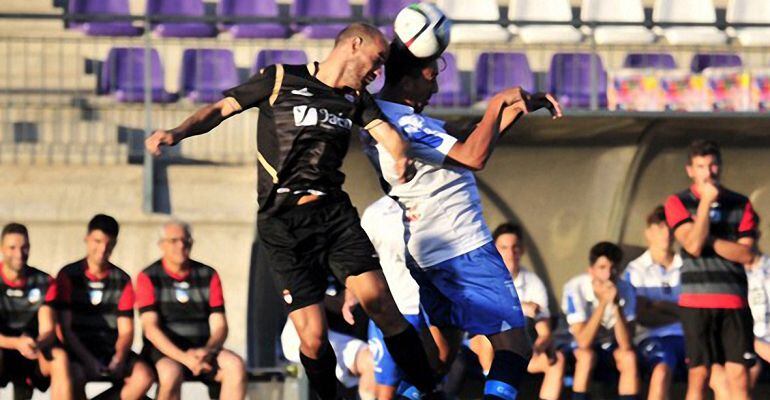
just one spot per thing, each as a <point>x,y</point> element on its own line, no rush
<point>508,368</point>
<point>408,391</point>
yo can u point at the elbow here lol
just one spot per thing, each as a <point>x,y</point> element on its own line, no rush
<point>693,249</point>
<point>583,344</point>
<point>476,163</point>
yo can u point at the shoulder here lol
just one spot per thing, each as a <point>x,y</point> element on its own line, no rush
<point>72,268</point>
<point>733,197</point>
<point>531,277</point>
<point>576,283</point>
<point>639,264</point>
<point>153,269</point>
<point>38,275</point>
<point>203,269</point>
<point>119,273</point>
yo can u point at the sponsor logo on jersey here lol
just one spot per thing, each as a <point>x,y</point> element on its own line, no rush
<point>302,92</point>
<point>34,295</point>
<point>287,296</point>
<point>311,116</point>
<point>182,292</point>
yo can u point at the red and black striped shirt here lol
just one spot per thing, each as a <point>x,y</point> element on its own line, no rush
<point>21,300</point>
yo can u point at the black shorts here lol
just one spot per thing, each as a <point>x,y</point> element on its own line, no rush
<point>716,336</point>
<point>152,355</point>
<point>304,244</point>
<point>105,359</point>
<point>19,370</point>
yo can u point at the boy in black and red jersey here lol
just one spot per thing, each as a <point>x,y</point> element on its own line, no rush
<point>183,318</point>
<point>96,307</point>
<point>29,350</point>
<point>717,229</point>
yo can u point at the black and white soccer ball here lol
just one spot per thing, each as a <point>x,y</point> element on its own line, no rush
<point>423,30</point>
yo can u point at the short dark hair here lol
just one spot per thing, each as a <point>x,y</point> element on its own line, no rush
<point>15,227</point>
<point>362,29</point>
<point>508,228</point>
<point>656,216</point>
<point>606,249</point>
<point>104,223</point>
<point>701,148</point>
<point>401,63</point>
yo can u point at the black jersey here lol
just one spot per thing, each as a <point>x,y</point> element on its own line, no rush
<point>303,131</point>
<point>20,301</point>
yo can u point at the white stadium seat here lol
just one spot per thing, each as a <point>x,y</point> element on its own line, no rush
<point>543,10</point>
<point>750,11</point>
<point>692,11</point>
<point>616,11</point>
<point>476,10</point>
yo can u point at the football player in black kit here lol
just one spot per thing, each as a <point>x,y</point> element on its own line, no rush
<point>307,224</point>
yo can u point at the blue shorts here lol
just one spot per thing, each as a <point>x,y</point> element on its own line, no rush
<point>473,292</point>
<point>668,349</point>
<point>386,372</point>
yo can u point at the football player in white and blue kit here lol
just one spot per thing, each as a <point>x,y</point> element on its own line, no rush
<point>655,276</point>
<point>382,223</point>
<point>464,284</point>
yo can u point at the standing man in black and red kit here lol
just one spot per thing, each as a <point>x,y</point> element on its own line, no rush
<point>307,224</point>
<point>182,311</point>
<point>96,306</point>
<point>717,229</point>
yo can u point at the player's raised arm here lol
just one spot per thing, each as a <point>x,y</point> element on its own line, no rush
<point>396,145</point>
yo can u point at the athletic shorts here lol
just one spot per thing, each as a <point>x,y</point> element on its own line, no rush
<point>473,292</point>
<point>605,369</point>
<point>152,355</point>
<point>105,359</point>
<point>716,336</point>
<point>386,372</point>
<point>306,242</point>
<point>345,348</point>
<point>19,370</point>
<point>668,350</point>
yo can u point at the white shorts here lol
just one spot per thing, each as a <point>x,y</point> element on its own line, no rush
<point>345,347</point>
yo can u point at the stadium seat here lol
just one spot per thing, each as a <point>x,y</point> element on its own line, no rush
<point>269,57</point>
<point>498,71</point>
<point>188,8</point>
<point>252,8</point>
<point>688,11</point>
<point>320,10</point>
<point>122,75</point>
<point>477,10</point>
<point>451,92</point>
<point>750,11</point>
<point>702,61</point>
<point>379,10</point>
<point>616,11</point>
<point>206,73</point>
<point>543,10</point>
<point>649,60</point>
<point>103,27</point>
<point>569,78</point>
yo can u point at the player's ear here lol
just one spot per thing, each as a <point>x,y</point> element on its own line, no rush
<point>357,42</point>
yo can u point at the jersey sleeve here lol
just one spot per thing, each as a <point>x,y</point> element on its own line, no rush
<point>51,292</point>
<point>127,300</point>
<point>539,295</point>
<point>631,275</point>
<point>429,142</point>
<point>258,88</point>
<point>628,297</point>
<point>145,293</point>
<point>676,213</point>
<point>749,222</point>
<point>573,305</point>
<point>216,297</point>
<point>368,113</point>
<point>64,290</point>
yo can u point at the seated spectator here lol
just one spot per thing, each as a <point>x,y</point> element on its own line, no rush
<point>758,274</point>
<point>183,319</point>
<point>96,306</point>
<point>534,303</point>
<point>347,336</point>
<point>600,310</point>
<point>29,350</point>
<point>655,277</point>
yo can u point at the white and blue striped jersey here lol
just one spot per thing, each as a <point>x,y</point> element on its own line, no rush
<point>443,217</point>
<point>657,283</point>
<point>579,301</point>
<point>759,297</point>
<point>382,223</point>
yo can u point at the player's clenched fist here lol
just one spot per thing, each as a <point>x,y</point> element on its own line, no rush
<point>157,140</point>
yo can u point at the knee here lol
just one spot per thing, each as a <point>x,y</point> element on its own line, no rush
<point>625,360</point>
<point>661,370</point>
<point>232,365</point>
<point>142,375</point>
<point>698,374</point>
<point>584,356</point>
<point>170,374</point>
<point>60,362</point>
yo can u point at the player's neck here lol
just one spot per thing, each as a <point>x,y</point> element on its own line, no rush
<point>330,72</point>
<point>96,268</point>
<point>176,268</point>
<point>664,257</point>
<point>10,274</point>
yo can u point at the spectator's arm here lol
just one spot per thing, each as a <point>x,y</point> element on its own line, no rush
<point>650,313</point>
<point>739,252</point>
<point>624,330</point>
<point>585,332</point>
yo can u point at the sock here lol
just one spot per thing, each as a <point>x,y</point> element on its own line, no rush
<point>407,391</point>
<point>579,396</point>
<point>321,372</point>
<point>408,353</point>
<point>508,369</point>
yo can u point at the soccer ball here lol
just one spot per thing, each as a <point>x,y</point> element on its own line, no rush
<point>423,29</point>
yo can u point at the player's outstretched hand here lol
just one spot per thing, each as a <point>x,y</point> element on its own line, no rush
<point>536,101</point>
<point>157,140</point>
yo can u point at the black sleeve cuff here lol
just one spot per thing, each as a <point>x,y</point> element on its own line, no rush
<point>682,222</point>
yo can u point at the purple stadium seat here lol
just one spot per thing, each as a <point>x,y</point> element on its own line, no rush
<point>123,76</point>
<point>189,8</point>
<point>649,60</point>
<point>206,73</point>
<point>570,79</point>
<point>320,10</point>
<point>451,92</point>
<point>380,10</point>
<point>103,27</point>
<point>252,8</point>
<point>702,61</point>
<point>497,71</point>
<point>269,57</point>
